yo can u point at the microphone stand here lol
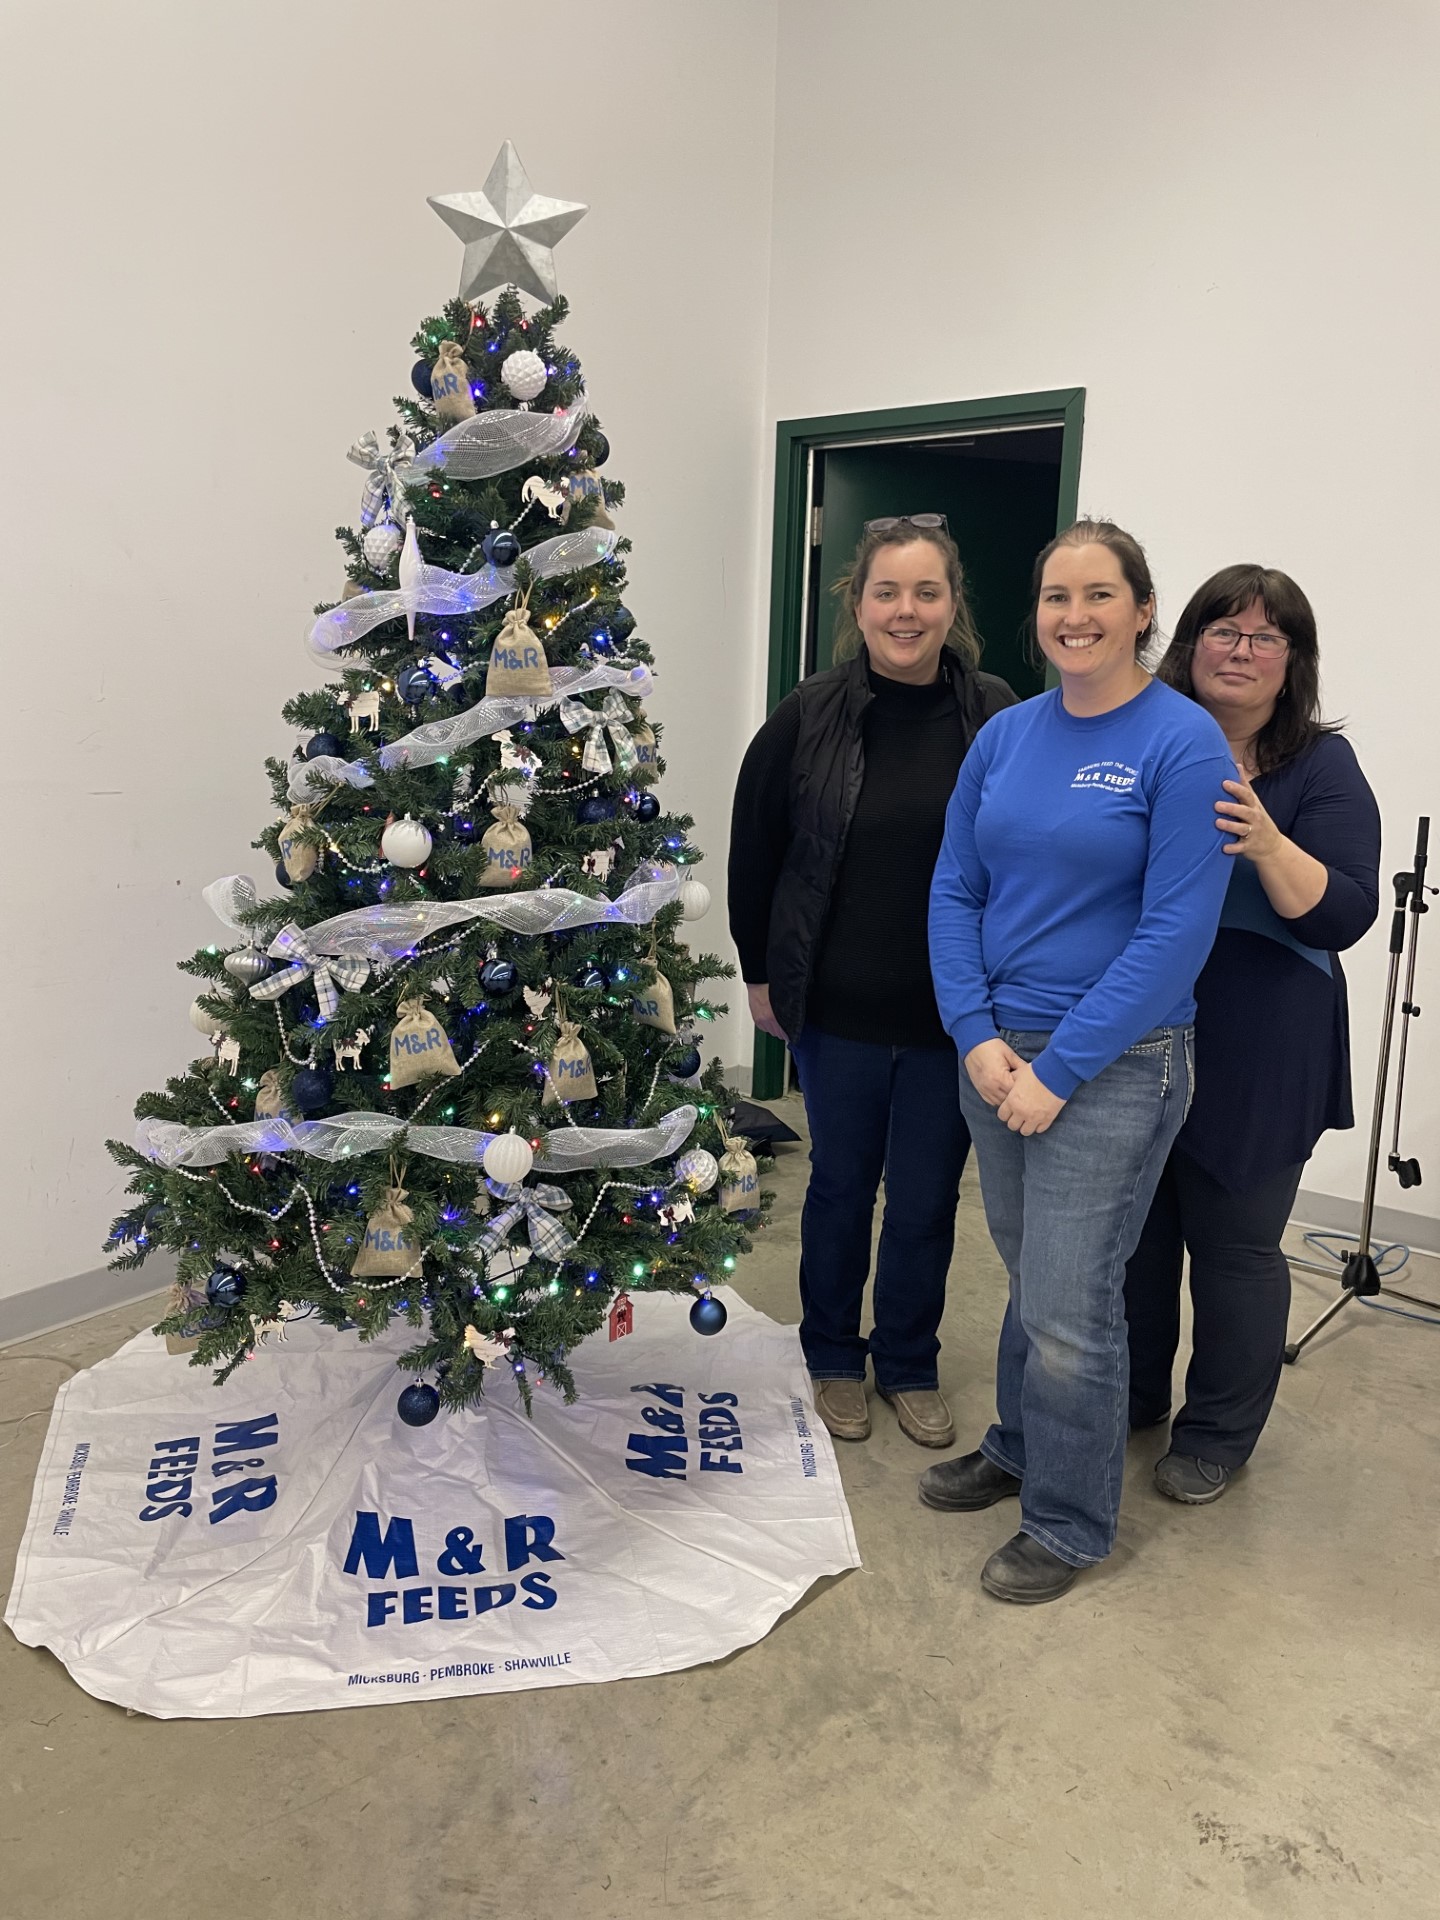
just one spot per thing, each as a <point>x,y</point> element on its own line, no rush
<point>1360,1278</point>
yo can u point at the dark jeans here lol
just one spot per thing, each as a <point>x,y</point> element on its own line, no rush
<point>1240,1291</point>
<point>877,1110</point>
<point>1065,1209</point>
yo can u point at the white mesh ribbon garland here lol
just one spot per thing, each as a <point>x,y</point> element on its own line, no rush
<point>438,739</point>
<point>438,591</point>
<point>535,1206</point>
<point>383,497</point>
<point>348,1136</point>
<point>331,974</point>
<point>311,779</point>
<point>497,441</point>
<point>394,930</point>
<point>613,718</point>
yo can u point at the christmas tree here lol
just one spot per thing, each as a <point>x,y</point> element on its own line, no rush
<point>458,1060</point>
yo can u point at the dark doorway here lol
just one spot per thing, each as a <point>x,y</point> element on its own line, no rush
<point>1000,491</point>
<point>1005,472</point>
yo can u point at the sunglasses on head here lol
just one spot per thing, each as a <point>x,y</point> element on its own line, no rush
<point>927,522</point>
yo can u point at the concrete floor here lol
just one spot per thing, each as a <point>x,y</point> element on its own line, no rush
<point>1235,1716</point>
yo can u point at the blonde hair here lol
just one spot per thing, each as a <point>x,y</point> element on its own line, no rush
<point>962,637</point>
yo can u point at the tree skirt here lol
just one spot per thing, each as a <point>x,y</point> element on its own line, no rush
<point>286,1543</point>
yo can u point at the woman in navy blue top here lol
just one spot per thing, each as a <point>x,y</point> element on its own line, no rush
<point>1272,1047</point>
<point>1074,902</point>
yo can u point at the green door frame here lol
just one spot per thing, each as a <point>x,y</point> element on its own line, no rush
<point>795,442</point>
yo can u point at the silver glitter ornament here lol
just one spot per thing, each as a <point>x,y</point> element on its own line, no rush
<point>509,230</point>
<point>247,965</point>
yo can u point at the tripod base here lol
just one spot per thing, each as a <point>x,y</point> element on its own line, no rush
<point>1360,1279</point>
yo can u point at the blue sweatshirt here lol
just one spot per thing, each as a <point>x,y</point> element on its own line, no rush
<point>1081,877</point>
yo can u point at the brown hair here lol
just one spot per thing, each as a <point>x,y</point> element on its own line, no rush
<point>962,637</point>
<point>1127,551</point>
<point>1295,724</point>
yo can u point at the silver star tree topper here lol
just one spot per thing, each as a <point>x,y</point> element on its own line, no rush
<point>509,230</point>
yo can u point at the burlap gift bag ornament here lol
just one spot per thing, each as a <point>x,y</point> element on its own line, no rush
<point>506,847</point>
<point>642,738</point>
<point>739,1177</point>
<point>419,1047</point>
<point>450,385</point>
<point>585,490</point>
<point>269,1099</point>
<point>298,857</point>
<point>570,1074</point>
<point>654,1005</point>
<point>518,668</point>
<point>389,1249</point>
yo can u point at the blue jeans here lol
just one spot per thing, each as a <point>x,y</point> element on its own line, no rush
<point>877,1110</point>
<point>1065,1209</point>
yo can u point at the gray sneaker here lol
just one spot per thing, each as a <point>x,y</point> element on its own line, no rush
<point>1182,1476</point>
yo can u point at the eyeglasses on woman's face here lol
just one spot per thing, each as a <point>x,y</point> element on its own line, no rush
<point>1223,637</point>
<point>927,522</point>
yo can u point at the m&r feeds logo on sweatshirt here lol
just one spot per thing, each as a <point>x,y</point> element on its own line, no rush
<point>1109,776</point>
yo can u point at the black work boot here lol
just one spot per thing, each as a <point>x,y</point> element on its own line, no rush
<point>1027,1573</point>
<point>967,1484</point>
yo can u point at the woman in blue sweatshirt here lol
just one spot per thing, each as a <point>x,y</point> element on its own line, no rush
<point>1272,1042</point>
<point>1074,902</point>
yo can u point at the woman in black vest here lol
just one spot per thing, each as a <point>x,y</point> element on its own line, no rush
<point>839,812</point>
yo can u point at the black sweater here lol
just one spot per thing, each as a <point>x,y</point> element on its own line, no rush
<point>872,974</point>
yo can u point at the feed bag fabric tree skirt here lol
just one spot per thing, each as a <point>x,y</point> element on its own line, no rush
<point>286,1543</point>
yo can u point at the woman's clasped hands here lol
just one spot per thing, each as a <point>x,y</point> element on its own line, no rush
<point>1011,1085</point>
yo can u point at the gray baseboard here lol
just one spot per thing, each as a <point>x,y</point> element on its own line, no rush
<point>60,1303</point>
<point>1418,1231</point>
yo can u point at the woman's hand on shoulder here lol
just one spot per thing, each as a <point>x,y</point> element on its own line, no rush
<point>1029,1107</point>
<point>1256,834</point>
<point>760,1011</point>
<point>992,1067</point>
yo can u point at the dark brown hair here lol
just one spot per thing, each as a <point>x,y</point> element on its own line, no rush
<point>1127,551</point>
<point>962,637</point>
<point>1295,724</point>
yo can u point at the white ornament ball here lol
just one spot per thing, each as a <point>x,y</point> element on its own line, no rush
<point>698,1169</point>
<point>508,1159</point>
<point>381,544</point>
<point>694,900</point>
<point>524,374</point>
<point>204,1022</point>
<point>405,843</point>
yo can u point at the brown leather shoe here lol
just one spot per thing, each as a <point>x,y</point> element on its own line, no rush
<point>841,1407</point>
<point>923,1416</point>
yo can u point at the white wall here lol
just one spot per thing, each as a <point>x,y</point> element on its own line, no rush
<point>1219,219</point>
<point>215,249</point>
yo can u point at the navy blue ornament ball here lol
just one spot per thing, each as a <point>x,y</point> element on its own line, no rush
<point>646,807</point>
<point>311,1089</point>
<point>601,446</point>
<point>318,743</point>
<point>499,976</point>
<point>420,379</point>
<point>418,1405</point>
<point>501,548</point>
<point>599,806</point>
<point>225,1287</point>
<point>413,684</point>
<point>683,1065</point>
<point>621,624</point>
<point>282,877</point>
<point>708,1314</point>
<point>591,979</point>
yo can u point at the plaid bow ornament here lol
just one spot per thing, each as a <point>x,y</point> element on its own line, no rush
<point>533,1205</point>
<point>332,974</point>
<point>384,492</point>
<point>615,718</point>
